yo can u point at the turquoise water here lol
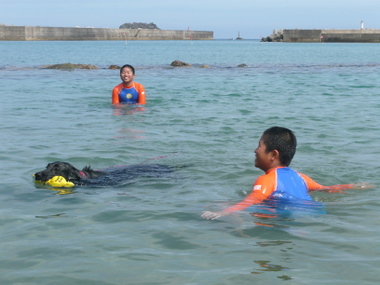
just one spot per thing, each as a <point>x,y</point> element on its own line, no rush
<point>150,231</point>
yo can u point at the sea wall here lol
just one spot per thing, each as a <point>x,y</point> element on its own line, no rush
<point>26,33</point>
<point>332,36</point>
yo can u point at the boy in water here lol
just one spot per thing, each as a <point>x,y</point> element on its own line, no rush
<point>276,149</point>
<point>128,92</point>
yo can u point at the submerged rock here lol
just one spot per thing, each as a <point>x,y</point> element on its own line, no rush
<point>68,66</point>
<point>112,66</point>
<point>178,63</point>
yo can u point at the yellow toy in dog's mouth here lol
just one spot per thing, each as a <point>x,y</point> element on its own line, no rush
<point>58,181</point>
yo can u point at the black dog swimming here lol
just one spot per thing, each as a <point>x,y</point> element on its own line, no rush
<point>112,176</point>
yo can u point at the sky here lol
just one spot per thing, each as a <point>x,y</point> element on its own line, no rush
<point>253,19</point>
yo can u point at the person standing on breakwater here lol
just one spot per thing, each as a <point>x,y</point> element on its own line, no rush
<point>280,185</point>
<point>128,92</point>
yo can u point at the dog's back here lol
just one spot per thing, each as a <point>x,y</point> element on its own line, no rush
<point>119,175</point>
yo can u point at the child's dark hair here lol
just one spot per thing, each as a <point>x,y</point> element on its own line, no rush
<point>129,66</point>
<point>283,140</point>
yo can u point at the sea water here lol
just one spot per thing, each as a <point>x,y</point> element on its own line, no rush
<point>207,121</point>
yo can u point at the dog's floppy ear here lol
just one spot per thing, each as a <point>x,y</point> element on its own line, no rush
<point>69,171</point>
<point>74,175</point>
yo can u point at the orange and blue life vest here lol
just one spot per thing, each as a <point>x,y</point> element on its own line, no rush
<point>128,95</point>
<point>290,185</point>
<point>281,183</point>
<point>133,94</point>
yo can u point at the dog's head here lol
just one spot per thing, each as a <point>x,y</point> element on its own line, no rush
<point>58,168</point>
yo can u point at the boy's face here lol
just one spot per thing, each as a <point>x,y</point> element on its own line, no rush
<point>127,76</point>
<point>263,158</point>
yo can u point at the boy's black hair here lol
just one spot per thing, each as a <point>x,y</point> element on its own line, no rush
<point>129,66</point>
<point>283,140</point>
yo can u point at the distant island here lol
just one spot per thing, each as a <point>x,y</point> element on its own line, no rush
<point>134,25</point>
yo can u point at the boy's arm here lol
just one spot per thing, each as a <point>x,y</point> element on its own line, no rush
<point>311,184</point>
<point>142,95</point>
<point>261,190</point>
<point>257,196</point>
<point>314,186</point>
<point>115,95</point>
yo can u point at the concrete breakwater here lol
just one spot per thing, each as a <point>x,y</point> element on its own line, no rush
<point>328,36</point>
<point>27,33</point>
